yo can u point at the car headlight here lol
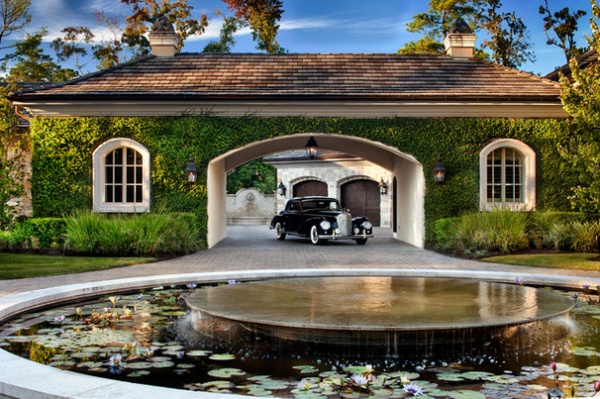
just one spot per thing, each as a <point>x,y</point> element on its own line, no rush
<point>325,225</point>
<point>367,224</point>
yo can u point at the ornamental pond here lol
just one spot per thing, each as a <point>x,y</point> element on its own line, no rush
<point>152,337</point>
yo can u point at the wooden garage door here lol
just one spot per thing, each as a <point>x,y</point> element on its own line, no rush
<point>310,187</point>
<point>361,197</point>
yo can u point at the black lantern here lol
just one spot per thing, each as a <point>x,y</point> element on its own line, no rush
<point>281,190</point>
<point>439,172</point>
<point>191,172</point>
<point>383,188</point>
<point>312,147</point>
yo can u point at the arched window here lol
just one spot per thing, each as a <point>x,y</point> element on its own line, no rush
<point>121,176</point>
<point>507,175</point>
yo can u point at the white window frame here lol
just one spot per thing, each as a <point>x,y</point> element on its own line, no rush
<point>529,176</point>
<point>99,179</point>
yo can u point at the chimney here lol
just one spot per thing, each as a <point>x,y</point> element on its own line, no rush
<point>460,41</point>
<point>163,39</point>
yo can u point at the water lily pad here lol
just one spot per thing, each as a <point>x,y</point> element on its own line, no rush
<point>222,356</point>
<point>198,353</point>
<point>464,394</point>
<point>306,369</point>
<point>584,351</point>
<point>139,365</point>
<point>185,366</point>
<point>163,364</point>
<point>219,384</point>
<point>139,373</point>
<point>450,377</point>
<point>225,372</point>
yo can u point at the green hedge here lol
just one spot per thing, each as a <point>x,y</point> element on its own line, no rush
<point>62,155</point>
<point>34,233</point>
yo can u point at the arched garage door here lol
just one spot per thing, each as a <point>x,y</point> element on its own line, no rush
<point>310,187</point>
<point>361,197</point>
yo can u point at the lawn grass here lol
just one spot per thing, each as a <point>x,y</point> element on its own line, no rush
<point>14,266</point>
<point>572,261</point>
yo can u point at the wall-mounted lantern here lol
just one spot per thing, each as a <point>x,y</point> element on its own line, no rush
<point>439,172</point>
<point>383,188</point>
<point>281,190</point>
<point>191,171</point>
<point>312,148</point>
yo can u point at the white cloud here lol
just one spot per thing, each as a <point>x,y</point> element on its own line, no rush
<point>306,23</point>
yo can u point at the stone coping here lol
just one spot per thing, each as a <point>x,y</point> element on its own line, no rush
<point>21,378</point>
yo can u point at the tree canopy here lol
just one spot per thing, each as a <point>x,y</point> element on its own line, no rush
<point>581,99</point>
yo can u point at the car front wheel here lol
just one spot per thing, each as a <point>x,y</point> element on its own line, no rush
<point>361,241</point>
<point>279,232</point>
<point>314,236</point>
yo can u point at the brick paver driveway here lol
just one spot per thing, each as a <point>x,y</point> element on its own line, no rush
<point>255,248</point>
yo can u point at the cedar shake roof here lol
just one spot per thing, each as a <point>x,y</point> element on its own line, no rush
<point>584,60</point>
<point>205,76</point>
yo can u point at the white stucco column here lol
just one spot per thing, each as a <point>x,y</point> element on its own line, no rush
<point>216,184</point>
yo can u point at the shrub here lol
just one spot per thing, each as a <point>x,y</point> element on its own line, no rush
<point>500,230</point>
<point>135,234</point>
<point>10,241</point>
<point>585,236</point>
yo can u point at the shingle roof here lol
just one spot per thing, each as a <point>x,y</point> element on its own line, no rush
<point>584,60</point>
<point>305,76</point>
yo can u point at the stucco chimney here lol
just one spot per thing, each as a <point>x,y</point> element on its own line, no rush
<point>460,41</point>
<point>163,38</point>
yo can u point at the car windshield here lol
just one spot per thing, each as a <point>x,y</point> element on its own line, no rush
<point>321,204</point>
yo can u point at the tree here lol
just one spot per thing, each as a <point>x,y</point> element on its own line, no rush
<point>149,11</point>
<point>14,16</point>
<point>33,65</point>
<point>262,17</point>
<point>435,24</point>
<point>564,26</point>
<point>255,173</point>
<point>425,45</point>
<point>72,44</point>
<point>226,41</point>
<point>11,160</point>
<point>509,42</point>
<point>581,99</point>
<point>107,52</point>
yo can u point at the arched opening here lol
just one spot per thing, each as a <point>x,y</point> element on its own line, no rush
<point>310,187</point>
<point>361,197</point>
<point>409,202</point>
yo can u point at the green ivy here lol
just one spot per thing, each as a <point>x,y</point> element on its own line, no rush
<point>63,147</point>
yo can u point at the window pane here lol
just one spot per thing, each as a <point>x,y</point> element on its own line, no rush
<point>130,175</point>
<point>118,193</point>
<point>118,156</point>
<point>118,174</point>
<point>130,194</point>
<point>138,174</point>
<point>130,156</point>
<point>108,194</point>
<point>108,160</point>
<point>108,174</point>
<point>138,193</point>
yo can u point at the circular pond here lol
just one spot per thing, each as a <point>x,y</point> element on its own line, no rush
<point>150,337</point>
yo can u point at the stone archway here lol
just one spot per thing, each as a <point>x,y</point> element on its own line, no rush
<point>407,171</point>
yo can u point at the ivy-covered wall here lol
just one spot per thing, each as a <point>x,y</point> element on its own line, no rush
<point>62,155</point>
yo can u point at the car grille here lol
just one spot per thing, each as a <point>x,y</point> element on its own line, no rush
<point>345,224</point>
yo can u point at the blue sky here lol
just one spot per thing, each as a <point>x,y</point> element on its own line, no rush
<point>324,26</point>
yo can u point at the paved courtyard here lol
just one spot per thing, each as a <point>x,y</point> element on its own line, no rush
<point>255,248</point>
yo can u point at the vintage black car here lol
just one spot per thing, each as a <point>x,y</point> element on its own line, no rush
<point>320,219</point>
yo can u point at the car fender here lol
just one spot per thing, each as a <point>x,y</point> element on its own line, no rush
<point>304,228</point>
